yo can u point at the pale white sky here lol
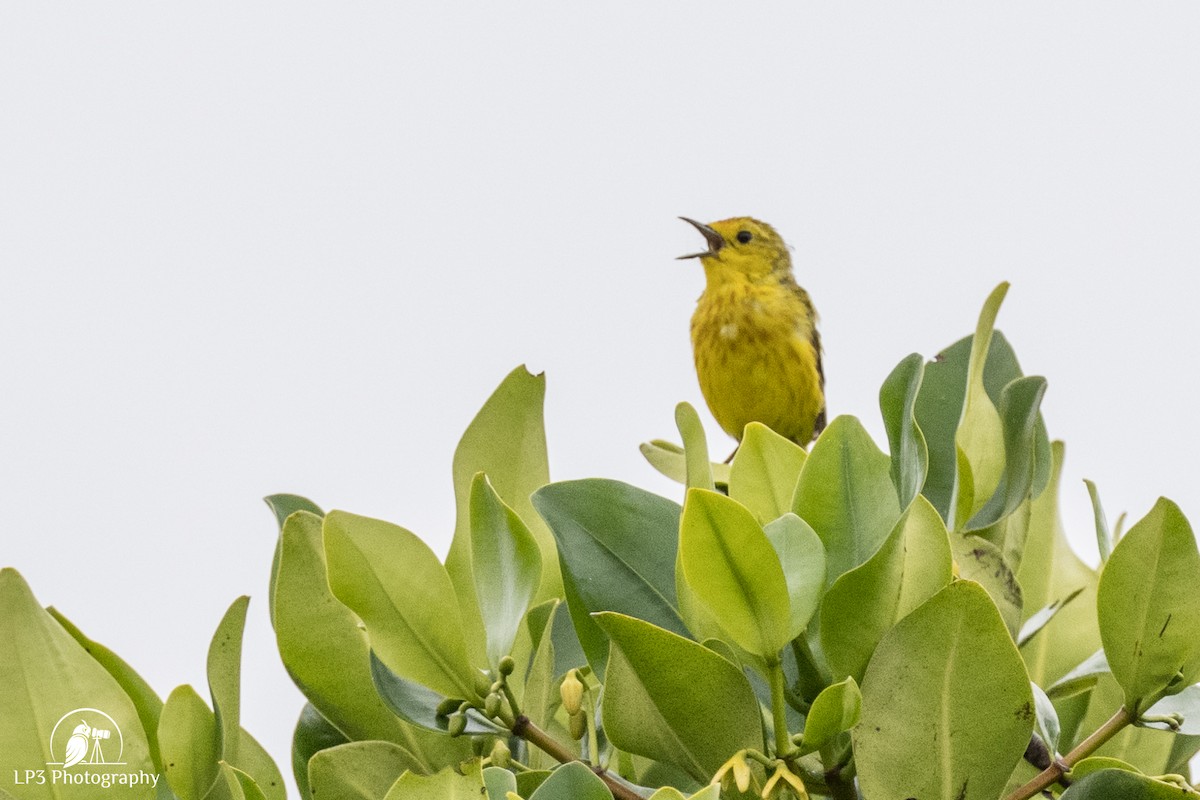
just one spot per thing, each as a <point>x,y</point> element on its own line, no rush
<point>252,248</point>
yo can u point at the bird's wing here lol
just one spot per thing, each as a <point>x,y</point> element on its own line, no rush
<point>77,748</point>
<point>819,425</point>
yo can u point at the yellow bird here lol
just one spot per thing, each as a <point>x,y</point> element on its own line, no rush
<point>754,334</point>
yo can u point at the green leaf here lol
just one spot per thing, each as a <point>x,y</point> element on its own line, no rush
<point>541,697</point>
<point>1049,570</point>
<point>617,545</point>
<point>449,784</point>
<point>283,506</point>
<point>1104,537</point>
<point>846,494</point>
<point>1113,783</point>
<point>979,440</point>
<point>44,672</point>
<point>506,440</point>
<point>836,709</point>
<point>764,472</point>
<point>1046,722</point>
<point>398,588</point>
<point>1149,605</point>
<point>507,567</point>
<point>947,710</point>
<point>498,782</point>
<point>240,785</point>
<point>731,568</point>
<point>695,445</point>
<point>224,677</point>
<point>802,557</point>
<point>145,699</point>
<point>898,401</point>
<point>981,561</point>
<point>911,566</point>
<point>572,781</point>
<point>358,770</point>
<point>417,705</point>
<point>670,699</point>
<point>1080,679</point>
<point>190,743</point>
<point>1020,415</point>
<point>1041,618</point>
<point>671,461</point>
<point>1149,750</point>
<point>327,653</point>
<point>313,734</point>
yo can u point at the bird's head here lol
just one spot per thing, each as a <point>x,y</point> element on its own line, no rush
<point>82,729</point>
<point>742,246</point>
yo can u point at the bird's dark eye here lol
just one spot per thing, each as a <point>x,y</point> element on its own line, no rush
<point>744,237</point>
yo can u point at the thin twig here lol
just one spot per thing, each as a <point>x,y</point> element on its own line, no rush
<point>1052,774</point>
<point>525,729</point>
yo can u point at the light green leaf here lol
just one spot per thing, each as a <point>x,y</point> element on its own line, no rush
<point>617,545</point>
<point>498,782</point>
<point>397,587</point>
<point>1148,749</point>
<point>947,710</point>
<point>670,699</point>
<point>671,461</point>
<point>1149,605</point>
<point>283,506</point>
<point>695,445</point>
<point>357,771</point>
<point>225,677</point>
<point>572,781</point>
<point>731,568</point>
<point>189,740</point>
<point>1117,783</point>
<point>541,698</point>
<point>1104,537</point>
<point>1046,722</point>
<point>802,557</point>
<point>506,440</point>
<point>326,653</point>
<point>45,673</point>
<point>764,472</point>
<point>1080,679</point>
<point>449,784</point>
<point>507,566</point>
<point>979,440</point>
<point>836,709</point>
<point>1050,569</point>
<point>1041,618</point>
<point>981,561</point>
<point>238,784</point>
<point>846,494</point>
<point>911,566</point>
<point>313,734</point>
<point>897,401</point>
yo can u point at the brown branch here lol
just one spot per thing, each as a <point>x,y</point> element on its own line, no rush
<point>1054,773</point>
<point>525,729</point>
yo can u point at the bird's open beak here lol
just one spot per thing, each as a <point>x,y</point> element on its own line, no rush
<point>714,239</point>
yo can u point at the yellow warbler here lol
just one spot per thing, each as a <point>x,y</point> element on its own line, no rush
<point>754,334</point>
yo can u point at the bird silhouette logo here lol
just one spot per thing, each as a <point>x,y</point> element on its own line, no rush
<point>95,739</point>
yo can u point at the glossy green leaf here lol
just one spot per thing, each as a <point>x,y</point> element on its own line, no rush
<point>45,673</point>
<point>670,793</point>
<point>912,565</point>
<point>671,461</point>
<point>225,677</point>
<point>313,734</point>
<point>283,506</point>
<point>981,561</point>
<point>1019,410</point>
<point>572,781</point>
<point>695,446</point>
<point>507,567</point>
<point>979,440</point>
<point>190,743</point>
<point>498,782</point>
<point>1094,764</point>
<point>358,770</point>
<point>240,785</point>
<point>398,588</point>
<point>145,699</point>
<point>897,401</point>
<point>1149,605</point>
<point>617,544</point>
<point>802,557</point>
<point>417,704</point>
<point>733,570</point>
<point>326,653</point>
<point>1081,678</point>
<point>836,709</point>
<point>507,441</point>
<point>670,699</point>
<point>452,783</point>
<point>846,494</point>
<point>1050,570</point>
<point>1104,537</point>
<point>764,472</point>
<point>1110,784</point>
<point>947,710</point>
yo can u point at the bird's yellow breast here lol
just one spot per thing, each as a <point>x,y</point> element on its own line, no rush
<point>756,358</point>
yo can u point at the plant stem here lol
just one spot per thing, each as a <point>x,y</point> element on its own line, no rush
<point>525,729</point>
<point>809,676</point>
<point>783,741</point>
<point>1052,774</point>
